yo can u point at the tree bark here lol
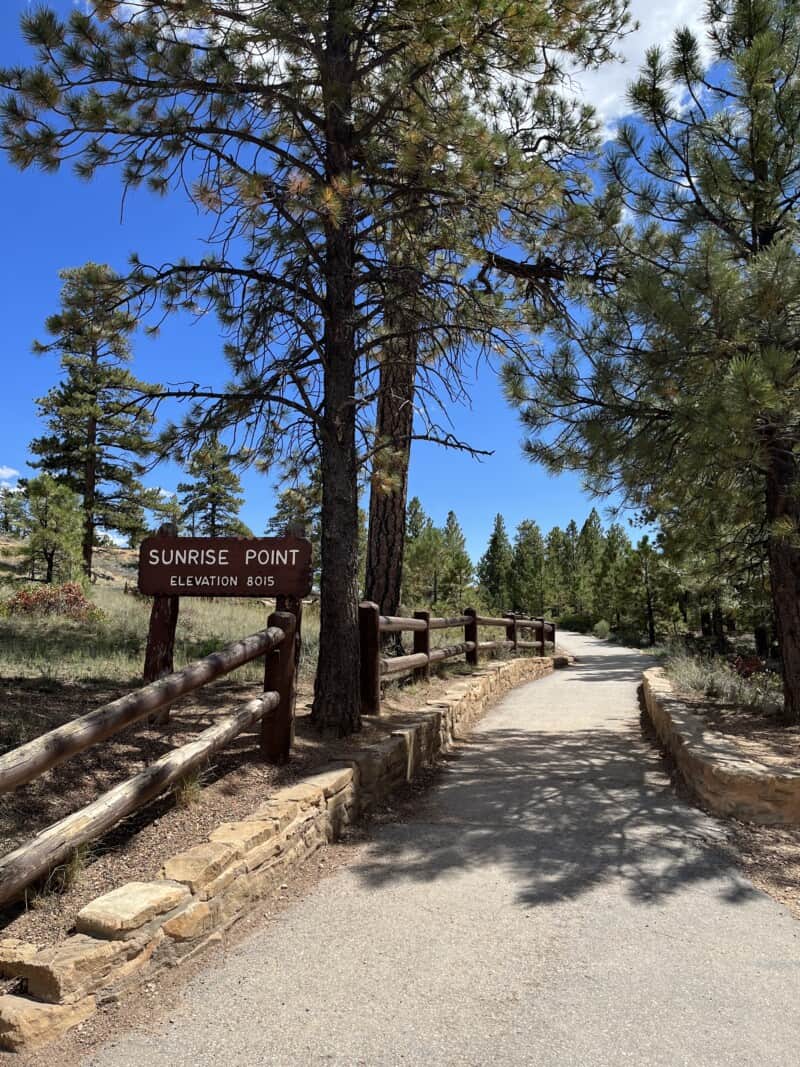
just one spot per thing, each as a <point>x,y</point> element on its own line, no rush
<point>783,517</point>
<point>651,617</point>
<point>336,708</point>
<point>89,492</point>
<point>90,475</point>
<point>389,487</point>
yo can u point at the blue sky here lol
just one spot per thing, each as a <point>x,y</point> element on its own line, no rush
<point>53,221</point>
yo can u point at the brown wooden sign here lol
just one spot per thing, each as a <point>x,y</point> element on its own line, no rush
<point>225,566</point>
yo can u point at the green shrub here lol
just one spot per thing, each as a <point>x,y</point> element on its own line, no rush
<point>578,622</point>
<point>602,629</point>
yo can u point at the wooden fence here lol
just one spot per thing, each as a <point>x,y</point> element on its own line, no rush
<point>274,709</point>
<point>375,667</point>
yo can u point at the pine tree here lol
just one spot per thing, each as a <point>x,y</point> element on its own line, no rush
<point>97,437</point>
<point>612,594</point>
<point>12,511</point>
<point>424,559</point>
<point>53,545</point>
<point>681,386</point>
<point>299,505</point>
<point>495,569</point>
<point>457,567</point>
<point>528,570</point>
<point>570,565</point>
<point>590,548</point>
<point>556,578</point>
<point>171,511</point>
<point>212,500</point>
<point>424,227</point>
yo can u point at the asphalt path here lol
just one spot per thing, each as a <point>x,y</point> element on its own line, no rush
<point>552,902</point>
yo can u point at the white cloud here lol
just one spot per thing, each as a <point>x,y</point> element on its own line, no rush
<point>606,88</point>
<point>8,472</point>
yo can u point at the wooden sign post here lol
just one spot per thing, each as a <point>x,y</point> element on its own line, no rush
<point>159,655</point>
<point>171,567</point>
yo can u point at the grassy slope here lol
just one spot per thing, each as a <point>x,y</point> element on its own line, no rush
<point>112,649</point>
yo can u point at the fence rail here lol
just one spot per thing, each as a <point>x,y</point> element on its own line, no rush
<point>274,709</point>
<point>376,668</point>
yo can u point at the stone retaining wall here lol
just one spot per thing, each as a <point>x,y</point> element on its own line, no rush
<point>127,935</point>
<point>722,777</point>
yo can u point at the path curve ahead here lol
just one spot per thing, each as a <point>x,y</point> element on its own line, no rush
<point>552,903</point>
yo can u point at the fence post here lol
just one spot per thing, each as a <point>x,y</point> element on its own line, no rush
<point>294,605</point>
<point>422,643</point>
<point>280,676</point>
<point>370,641</point>
<point>542,623</point>
<point>159,656</point>
<point>554,639</point>
<point>471,634</point>
<point>511,631</point>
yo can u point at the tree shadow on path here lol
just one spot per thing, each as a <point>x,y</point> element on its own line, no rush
<point>563,813</point>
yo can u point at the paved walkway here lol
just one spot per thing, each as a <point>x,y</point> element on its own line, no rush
<point>553,903</point>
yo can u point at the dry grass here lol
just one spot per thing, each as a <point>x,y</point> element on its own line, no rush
<point>713,677</point>
<point>110,650</point>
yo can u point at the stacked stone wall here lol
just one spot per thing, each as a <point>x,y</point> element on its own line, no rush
<point>718,772</point>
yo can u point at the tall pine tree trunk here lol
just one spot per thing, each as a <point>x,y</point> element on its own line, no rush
<point>650,611</point>
<point>336,690</point>
<point>90,476</point>
<point>395,416</point>
<point>389,488</point>
<point>783,517</point>
<point>89,490</point>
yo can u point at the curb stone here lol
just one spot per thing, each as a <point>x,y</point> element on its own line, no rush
<point>714,768</point>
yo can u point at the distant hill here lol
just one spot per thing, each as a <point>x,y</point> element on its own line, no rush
<point>113,566</point>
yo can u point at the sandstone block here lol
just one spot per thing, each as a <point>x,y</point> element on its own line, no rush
<point>282,812</point>
<point>257,857</point>
<point>198,866</point>
<point>192,922</point>
<point>368,765</point>
<point>222,881</point>
<point>131,906</point>
<point>69,971</point>
<point>307,796</point>
<point>12,952</point>
<point>330,779</point>
<point>27,1024</point>
<point>227,906</point>
<point>244,835</point>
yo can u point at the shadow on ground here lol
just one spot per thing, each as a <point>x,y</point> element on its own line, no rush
<point>563,813</point>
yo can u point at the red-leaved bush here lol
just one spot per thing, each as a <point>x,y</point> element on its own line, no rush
<point>68,599</point>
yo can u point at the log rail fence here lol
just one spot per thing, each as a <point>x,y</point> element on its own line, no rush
<point>376,668</point>
<point>274,710</point>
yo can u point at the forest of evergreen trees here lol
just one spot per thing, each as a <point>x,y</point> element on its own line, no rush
<point>587,578</point>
